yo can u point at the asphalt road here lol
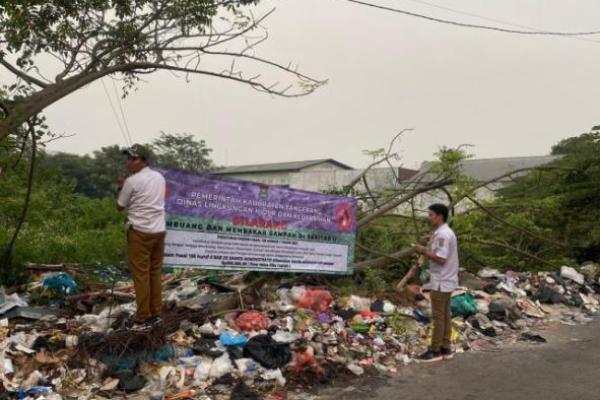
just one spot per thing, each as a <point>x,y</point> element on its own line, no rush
<point>566,367</point>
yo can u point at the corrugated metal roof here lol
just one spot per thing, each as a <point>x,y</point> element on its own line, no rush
<point>277,167</point>
<point>485,169</point>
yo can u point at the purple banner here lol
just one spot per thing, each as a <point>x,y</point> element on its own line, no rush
<point>291,230</point>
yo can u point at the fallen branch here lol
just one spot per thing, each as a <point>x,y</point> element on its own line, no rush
<point>507,175</point>
<point>391,205</point>
<point>384,260</point>
<point>511,248</point>
<point>388,155</point>
<point>516,227</point>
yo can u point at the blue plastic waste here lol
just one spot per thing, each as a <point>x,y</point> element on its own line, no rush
<point>133,359</point>
<point>227,339</point>
<point>419,316</point>
<point>35,391</point>
<point>61,283</point>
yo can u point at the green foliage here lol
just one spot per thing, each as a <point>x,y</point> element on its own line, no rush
<point>182,151</point>
<point>61,225</point>
<point>558,206</point>
<point>95,176</point>
<point>119,27</point>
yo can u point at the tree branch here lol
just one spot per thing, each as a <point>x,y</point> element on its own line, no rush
<point>390,206</point>
<point>27,78</point>
<point>508,247</point>
<point>383,260</point>
<point>515,227</point>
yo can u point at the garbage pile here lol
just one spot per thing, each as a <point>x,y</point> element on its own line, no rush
<point>257,341</point>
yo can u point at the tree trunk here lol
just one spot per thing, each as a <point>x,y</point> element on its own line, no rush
<point>37,102</point>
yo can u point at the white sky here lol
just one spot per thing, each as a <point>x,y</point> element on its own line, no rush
<point>508,95</point>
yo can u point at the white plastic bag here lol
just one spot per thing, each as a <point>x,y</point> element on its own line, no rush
<point>221,366</point>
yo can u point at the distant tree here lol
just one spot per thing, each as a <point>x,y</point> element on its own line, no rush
<point>95,176</point>
<point>82,41</point>
<point>551,213</point>
<point>182,151</point>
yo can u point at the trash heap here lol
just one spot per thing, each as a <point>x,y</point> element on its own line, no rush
<point>258,341</point>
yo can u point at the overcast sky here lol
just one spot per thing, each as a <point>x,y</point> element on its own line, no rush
<point>508,95</point>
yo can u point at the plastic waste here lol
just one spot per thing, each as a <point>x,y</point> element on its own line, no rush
<point>489,273</point>
<point>186,394</point>
<point>285,337</point>
<point>532,337</point>
<point>483,306</point>
<point>463,305</point>
<point>286,302</point>
<point>498,311</point>
<point>274,375</point>
<point>61,284</point>
<point>220,366</point>
<point>251,321</point>
<point>359,303</point>
<point>7,366</point>
<point>247,367</point>
<point>317,300</point>
<point>241,391</point>
<point>202,371</point>
<point>267,352</point>
<point>549,295</point>
<point>10,302</point>
<point>356,369</point>
<point>129,381</point>
<point>230,339</point>
<point>572,274</point>
<point>306,359</point>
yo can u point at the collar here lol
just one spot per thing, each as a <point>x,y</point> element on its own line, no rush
<point>145,169</point>
<point>441,227</point>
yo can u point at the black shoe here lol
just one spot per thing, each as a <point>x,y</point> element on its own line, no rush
<point>429,356</point>
<point>155,321</point>
<point>141,327</point>
<point>447,354</point>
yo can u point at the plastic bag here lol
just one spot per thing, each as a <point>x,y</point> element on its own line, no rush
<point>267,352</point>
<point>306,359</point>
<point>274,375</point>
<point>202,371</point>
<point>241,391</point>
<point>317,300</point>
<point>463,305</point>
<point>247,367</point>
<point>572,274</point>
<point>61,283</point>
<point>221,366</point>
<point>251,321</point>
<point>229,339</point>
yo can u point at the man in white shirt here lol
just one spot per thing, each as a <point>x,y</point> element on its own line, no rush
<point>443,268</point>
<point>142,194</point>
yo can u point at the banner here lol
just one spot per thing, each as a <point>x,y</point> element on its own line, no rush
<point>226,224</point>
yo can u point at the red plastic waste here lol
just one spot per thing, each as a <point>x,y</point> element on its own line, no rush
<point>368,314</point>
<point>317,300</point>
<point>251,321</point>
<point>306,359</point>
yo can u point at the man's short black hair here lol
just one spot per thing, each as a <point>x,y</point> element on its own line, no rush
<point>440,209</point>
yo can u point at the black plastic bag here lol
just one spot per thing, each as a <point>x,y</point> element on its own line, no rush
<point>241,391</point>
<point>206,347</point>
<point>267,352</point>
<point>129,381</point>
<point>497,311</point>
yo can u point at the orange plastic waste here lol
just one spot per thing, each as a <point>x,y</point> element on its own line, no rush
<point>251,321</point>
<point>317,300</point>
